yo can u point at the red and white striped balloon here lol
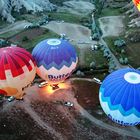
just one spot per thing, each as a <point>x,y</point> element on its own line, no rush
<point>17,70</point>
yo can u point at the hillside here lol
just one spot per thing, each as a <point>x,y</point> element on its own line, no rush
<point>7,7</point>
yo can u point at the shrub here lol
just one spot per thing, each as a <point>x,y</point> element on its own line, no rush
<point>25,38</point>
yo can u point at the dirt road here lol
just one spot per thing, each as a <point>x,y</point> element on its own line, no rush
<point>19,25</point>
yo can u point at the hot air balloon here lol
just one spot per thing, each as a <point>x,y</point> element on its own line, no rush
<point>17,70</point>
<point>120,96</point>
<point>56,59</point>
<point>137,4</point>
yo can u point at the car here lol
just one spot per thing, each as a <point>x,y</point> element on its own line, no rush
<point>11,98</point>
<point>68,103</point>
<point>97,80</point>
<point>94,47</point>
<point>43,84</point>
<point>27,26</point>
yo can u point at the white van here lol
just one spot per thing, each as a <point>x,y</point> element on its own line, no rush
<point>97,80</point>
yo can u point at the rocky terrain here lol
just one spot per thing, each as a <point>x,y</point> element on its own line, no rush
<point>8,6</point>
<point>77,7</point>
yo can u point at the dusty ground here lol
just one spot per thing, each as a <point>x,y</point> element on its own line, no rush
<point>112,25</point>
<point>75,32</point>
<point>42,115</point>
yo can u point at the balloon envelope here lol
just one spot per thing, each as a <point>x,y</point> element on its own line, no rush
<point>120,96</point>
<point>137,4</point>
<point>17,70</point>
<point>56,59</point>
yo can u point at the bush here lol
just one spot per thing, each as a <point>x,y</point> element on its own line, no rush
<point>119,43</point>
<point>123,60</point>
<point>46,31</point>
<point>122,51</point>
<point>25,38</point>
<point>93,65</point>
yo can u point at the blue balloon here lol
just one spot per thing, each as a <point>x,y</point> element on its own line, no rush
<point>56,59</point>
<point>120,96</point>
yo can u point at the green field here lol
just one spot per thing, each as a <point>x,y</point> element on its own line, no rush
<point>3,23</point>
<point>132,51</point>
<point>110,12</point>
<point>88,56</point>
<point>68,17</point>
<point>9,34</point>
<point>96,56</point>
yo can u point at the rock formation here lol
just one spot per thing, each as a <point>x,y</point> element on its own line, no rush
<point>7,6</point>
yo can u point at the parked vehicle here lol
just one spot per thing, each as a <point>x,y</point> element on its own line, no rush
<point>97,80</point>
<point>11,98</point>
<point>68,103</point>
<point>43,84</point>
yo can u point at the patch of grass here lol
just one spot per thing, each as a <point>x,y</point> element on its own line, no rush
<point>9,34</point>
<point>67,17</point>
<point>2,23</point>
<point>96,56</point>
<point>30,17</point>
<point>58,2</point>
<point>110,12</point>
<point>110,43</point>
<point>132,51</point>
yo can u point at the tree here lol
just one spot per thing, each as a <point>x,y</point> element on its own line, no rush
<point>119,43</point>
<point>93,65</point>
<point>122,51</point>
<point>25,38</point>
<point>125,60</point>
<point>121,60</point>
<point>4,43</point>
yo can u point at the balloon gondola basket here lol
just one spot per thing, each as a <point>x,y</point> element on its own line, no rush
<point>54,87</point>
